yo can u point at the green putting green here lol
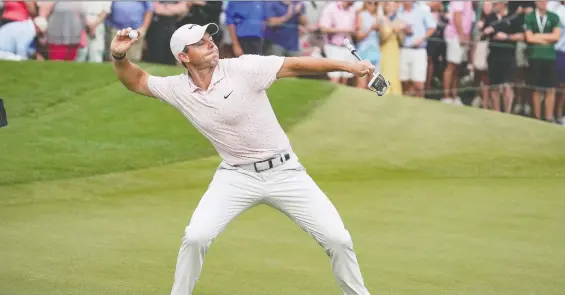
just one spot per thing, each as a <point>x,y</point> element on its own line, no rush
<point>97,186</point>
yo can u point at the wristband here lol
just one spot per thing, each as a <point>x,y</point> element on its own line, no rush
<point>118,57</point>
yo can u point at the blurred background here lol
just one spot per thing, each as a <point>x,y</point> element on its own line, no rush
<point>452,65</point>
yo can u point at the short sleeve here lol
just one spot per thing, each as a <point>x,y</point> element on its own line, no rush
<point>270,10</point>
<point>556,23</point>
<point>230,13</point>
<point>148,6</point>
<point>261,70</point>
<point>429,20</point>
<point>162,88</point>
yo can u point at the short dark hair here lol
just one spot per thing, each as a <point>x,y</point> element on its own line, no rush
<point>184,50</point>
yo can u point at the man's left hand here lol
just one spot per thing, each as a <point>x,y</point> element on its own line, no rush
<point>362,68</point>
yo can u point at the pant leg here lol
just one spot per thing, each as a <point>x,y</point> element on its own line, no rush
<point>96,45</point>
<point>296,195</point>
<point>229,194</point>
<point>82,54</point>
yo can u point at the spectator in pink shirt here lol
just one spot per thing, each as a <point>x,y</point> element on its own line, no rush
<point>457,34</point>
<point>338,23</point>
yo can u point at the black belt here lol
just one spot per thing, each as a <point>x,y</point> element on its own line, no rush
<point>267,164</point>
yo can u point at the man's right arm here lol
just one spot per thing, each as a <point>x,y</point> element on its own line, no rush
<point>133,77</point>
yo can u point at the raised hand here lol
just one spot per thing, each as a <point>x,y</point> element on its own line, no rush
<point>122,42</point>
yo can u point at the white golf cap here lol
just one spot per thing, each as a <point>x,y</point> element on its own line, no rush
<point>190,34</point>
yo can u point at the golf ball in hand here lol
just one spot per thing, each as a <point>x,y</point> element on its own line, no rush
<point>133,34</point>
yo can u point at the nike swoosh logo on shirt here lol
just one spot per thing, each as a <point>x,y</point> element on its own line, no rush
<point>226,96</point>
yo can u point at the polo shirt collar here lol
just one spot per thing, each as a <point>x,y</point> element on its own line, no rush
<point>217,76</point>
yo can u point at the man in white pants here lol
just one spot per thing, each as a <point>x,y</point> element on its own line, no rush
<point>226,101</point>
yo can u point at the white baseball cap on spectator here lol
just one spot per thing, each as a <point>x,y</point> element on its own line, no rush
<point>188,35</point>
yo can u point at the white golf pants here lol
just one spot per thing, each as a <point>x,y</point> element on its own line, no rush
<point>287,188</point>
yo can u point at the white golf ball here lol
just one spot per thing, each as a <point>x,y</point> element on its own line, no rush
<point>133,34</point>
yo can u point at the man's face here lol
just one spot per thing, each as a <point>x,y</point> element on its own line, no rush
<point>500,6</point>
<point>201,54</point>
<point>408,4</point>
<point>346,4</point>
<point>541,4</point>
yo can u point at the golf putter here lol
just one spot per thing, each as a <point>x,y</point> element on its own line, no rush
<point>378,82</point>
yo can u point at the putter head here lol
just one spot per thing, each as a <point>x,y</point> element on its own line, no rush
<point>378,84</point>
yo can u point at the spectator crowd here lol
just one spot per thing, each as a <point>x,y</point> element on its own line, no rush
<point>510,55</point>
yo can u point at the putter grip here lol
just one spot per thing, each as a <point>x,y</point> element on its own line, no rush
<point>348,45</point>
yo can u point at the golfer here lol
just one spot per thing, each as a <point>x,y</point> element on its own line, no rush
<point>226,101</point>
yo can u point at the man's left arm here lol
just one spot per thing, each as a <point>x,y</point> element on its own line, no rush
<point>294,66</point>
<point>262,71</point>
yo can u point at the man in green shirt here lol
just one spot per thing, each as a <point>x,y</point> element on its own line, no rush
<point>542,32</point>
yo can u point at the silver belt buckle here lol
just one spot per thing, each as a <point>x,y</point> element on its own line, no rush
<point>263,162</point>
<point>270,163</point>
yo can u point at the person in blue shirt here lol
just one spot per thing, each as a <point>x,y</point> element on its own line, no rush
<point>368,40</point>
<point>133,14</point>
<point>245,22</point>
<point>413,54</point>
<point>282,31</point>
